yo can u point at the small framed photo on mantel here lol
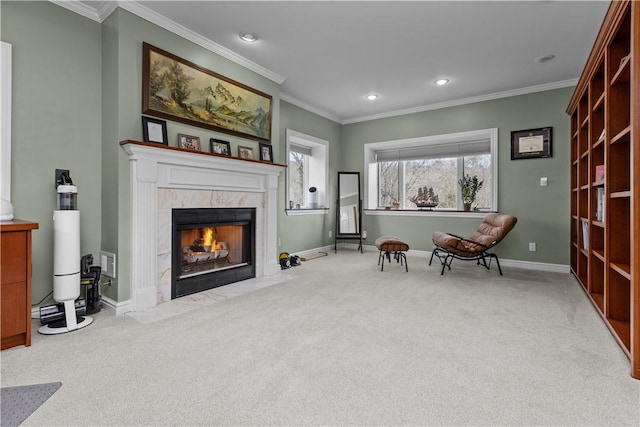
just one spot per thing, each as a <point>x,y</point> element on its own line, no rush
<point>531,143</point>
<point>218,146</point>
<point>245,152</point>
<point>188,142</point>
<point>266,152</point>
<point>154,130</point>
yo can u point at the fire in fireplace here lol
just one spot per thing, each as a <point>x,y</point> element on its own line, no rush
<point>211,247</point>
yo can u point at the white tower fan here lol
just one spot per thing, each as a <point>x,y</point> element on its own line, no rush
<point>66,260</point>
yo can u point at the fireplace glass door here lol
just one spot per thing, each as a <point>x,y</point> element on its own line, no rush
<point>207,249</point>
<point>211,247</point>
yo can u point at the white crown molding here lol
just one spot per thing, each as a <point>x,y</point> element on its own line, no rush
<point>291,100</point>
<point>80,9</point>
<point>463,101</point>
<point>184,32</point>
<point>106,8</point>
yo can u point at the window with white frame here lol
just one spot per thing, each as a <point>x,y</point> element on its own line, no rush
<point>307,158</point>
<point>396,170</point>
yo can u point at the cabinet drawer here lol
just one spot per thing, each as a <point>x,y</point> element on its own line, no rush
<point>14,261</point>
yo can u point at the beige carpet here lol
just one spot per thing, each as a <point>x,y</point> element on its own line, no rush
<point>345,344</point>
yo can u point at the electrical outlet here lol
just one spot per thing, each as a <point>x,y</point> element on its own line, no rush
<point>108,264</point>
<point>330,233</point>
<point>364,234</point>
<point>543,181</point>
<point>532,246</point>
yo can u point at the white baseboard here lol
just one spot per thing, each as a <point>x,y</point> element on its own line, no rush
<point>504,262</point>
<point>327,249</point>
<point>540,266</point>
<point>118,307</point>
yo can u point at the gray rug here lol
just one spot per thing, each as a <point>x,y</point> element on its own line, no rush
<point>20,402</point>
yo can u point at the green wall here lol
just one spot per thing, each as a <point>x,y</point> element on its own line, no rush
<point>302,232</point>
<point>542,212</point>
<point>56,85</point>
<point>77,93</point>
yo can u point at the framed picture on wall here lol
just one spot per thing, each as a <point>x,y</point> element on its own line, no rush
<point>531,143</point>
<point>244,111</point>
<point>154,130</point>
<point>266,153</point>
<point>219,146</point>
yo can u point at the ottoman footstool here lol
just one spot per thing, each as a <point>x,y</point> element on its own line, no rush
<point>388,245</point>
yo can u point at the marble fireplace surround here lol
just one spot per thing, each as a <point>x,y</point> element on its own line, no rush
<point>163,178</point>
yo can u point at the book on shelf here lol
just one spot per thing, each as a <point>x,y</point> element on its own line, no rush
<point>585,235</point>
<point>599,173</point>
<point>600,204</point>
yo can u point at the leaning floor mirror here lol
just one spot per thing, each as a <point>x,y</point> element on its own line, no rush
<point>348,209</point>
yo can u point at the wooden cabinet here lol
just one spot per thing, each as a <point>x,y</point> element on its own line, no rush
<point>15,282</point>
<point>605,177</point>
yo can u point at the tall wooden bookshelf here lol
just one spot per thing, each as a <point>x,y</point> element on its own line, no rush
<point>605,210</point>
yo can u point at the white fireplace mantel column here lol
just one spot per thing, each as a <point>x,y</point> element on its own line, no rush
<point>153,167</point>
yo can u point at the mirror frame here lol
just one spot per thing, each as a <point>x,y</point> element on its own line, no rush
<point>358,203</point>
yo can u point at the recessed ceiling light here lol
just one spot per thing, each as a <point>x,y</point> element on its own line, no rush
<point>372,96</point>
<point>543,59</point>
<point>441,82</point>
<point>248,37</point>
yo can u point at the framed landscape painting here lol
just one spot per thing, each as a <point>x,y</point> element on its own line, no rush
<point>176,89</point>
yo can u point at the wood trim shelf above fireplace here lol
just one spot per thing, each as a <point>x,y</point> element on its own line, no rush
<point>203,153</point>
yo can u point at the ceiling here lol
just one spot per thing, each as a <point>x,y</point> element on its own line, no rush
<point>329,54</point>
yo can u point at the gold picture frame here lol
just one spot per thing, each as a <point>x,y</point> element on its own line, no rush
<point>176,89</point>
<point>245,152</point>
<point>188,142</point>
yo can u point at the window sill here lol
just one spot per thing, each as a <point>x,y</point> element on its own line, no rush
<point>304,211</point>
<point>428,213</point>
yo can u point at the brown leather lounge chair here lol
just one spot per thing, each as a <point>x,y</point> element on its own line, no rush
<point>492,230</point>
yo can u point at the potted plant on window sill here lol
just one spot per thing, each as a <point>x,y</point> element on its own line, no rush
<point>469,187</point>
